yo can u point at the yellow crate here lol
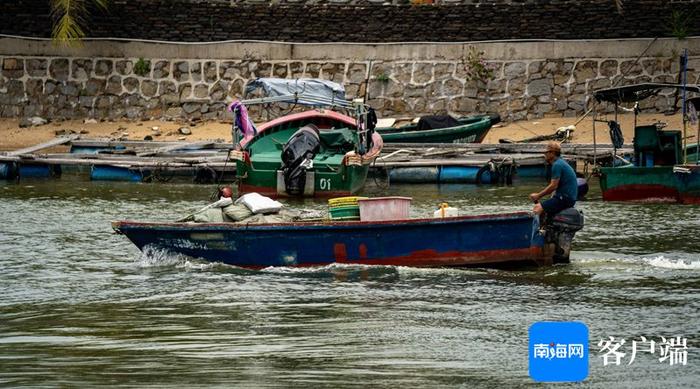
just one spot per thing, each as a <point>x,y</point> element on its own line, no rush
<point>344,201</point>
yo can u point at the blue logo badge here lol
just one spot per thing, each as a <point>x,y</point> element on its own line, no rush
<point>558,351</point>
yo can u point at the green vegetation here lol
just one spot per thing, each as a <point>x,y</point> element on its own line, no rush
<point>476,67</point>
<point>142,67</point>
<point>69,19</point>
<point>679,24</point>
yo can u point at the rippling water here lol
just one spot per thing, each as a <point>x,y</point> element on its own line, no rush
<point>81,306</point>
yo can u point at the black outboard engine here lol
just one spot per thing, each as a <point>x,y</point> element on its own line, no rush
<point>561,230</point>
<point>297,157</point>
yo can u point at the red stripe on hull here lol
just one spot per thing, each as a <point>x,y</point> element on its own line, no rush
<point>641,192</point>
<point>430,258</point>
<point>689,199</point>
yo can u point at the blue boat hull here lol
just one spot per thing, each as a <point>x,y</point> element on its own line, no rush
<point>458,241</point>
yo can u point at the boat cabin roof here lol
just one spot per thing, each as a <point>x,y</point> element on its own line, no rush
<point>637,92</point>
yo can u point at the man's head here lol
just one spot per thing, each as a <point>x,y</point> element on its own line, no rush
<point>552,152</point>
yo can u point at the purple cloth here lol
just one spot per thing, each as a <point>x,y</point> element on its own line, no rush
<point>243,122</point>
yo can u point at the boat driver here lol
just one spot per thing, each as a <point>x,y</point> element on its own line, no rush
<point>563,184</point>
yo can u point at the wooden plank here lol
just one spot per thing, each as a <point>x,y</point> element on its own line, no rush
<point>532,160</point>
<point>126,158</point>
<point>53,142</point>
<point>532,147</point>
<point>578,150</point>
<point>166,149</point>
<point>96,142</point>
<point>55,160</point>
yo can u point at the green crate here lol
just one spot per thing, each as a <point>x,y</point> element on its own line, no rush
<point>345,212</point>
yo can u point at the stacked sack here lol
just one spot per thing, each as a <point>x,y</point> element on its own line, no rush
<point>226,210</point>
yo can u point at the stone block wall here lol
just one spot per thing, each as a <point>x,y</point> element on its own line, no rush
<point>362,20</point>
<point>116,88</point>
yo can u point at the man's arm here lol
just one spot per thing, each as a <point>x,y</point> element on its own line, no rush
<point>553,184</point>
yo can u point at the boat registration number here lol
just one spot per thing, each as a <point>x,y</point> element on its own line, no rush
<point>324,184</point>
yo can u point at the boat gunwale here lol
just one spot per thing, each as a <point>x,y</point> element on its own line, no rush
<point>630,169</point>
<point>312,113</point>
<point>315,225</point>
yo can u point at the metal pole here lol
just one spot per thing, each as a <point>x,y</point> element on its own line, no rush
<point>367,76</point>
<point>234,130</point>
<point>595,153</point>
<point>618,123</point>
<point>684,62</point>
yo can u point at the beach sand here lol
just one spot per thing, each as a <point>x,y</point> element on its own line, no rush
<point>13,137</point>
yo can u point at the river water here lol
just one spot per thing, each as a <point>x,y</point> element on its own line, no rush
<point>81,306</point>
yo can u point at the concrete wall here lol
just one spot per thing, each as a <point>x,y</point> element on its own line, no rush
<point>529,79</point>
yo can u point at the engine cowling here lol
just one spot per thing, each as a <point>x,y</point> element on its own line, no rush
<point>561,230</point>
<point>297,156</point>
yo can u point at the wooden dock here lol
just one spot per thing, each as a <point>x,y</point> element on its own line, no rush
<point>206,161</point>
<point>200,162</point>
<point>396,154</point>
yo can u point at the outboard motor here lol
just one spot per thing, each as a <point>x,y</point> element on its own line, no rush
<point>297,157</point>
<point>582,187</point>
<point>561,230</point>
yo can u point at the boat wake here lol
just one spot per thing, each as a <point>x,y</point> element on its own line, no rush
<point>339,272</point>
<point>323,269</point>
<point>670,263</point>
<point>152,257</point>
<point>658,261</point>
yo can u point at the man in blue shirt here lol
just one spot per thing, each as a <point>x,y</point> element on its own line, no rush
<point>563,184</point>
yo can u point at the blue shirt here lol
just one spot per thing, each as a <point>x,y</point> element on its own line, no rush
<point>568,186</point>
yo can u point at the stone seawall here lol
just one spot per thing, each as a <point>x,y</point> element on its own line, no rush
<point>366,20</point>
<point>525,80</point>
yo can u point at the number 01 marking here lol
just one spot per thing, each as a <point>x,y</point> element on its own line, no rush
<point>324,183</point>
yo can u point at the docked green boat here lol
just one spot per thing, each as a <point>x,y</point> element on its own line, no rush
<point>659,170</point>
<point>441,129</point>
<point>318,152</point>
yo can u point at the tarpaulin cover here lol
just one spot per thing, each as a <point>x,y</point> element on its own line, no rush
<point>311,87</point>
<point>435,122</point>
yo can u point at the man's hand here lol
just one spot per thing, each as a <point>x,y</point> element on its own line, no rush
<point>534,197</point>
<point>537,209</point>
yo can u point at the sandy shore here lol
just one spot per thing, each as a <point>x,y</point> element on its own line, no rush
<point>13,137</point>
